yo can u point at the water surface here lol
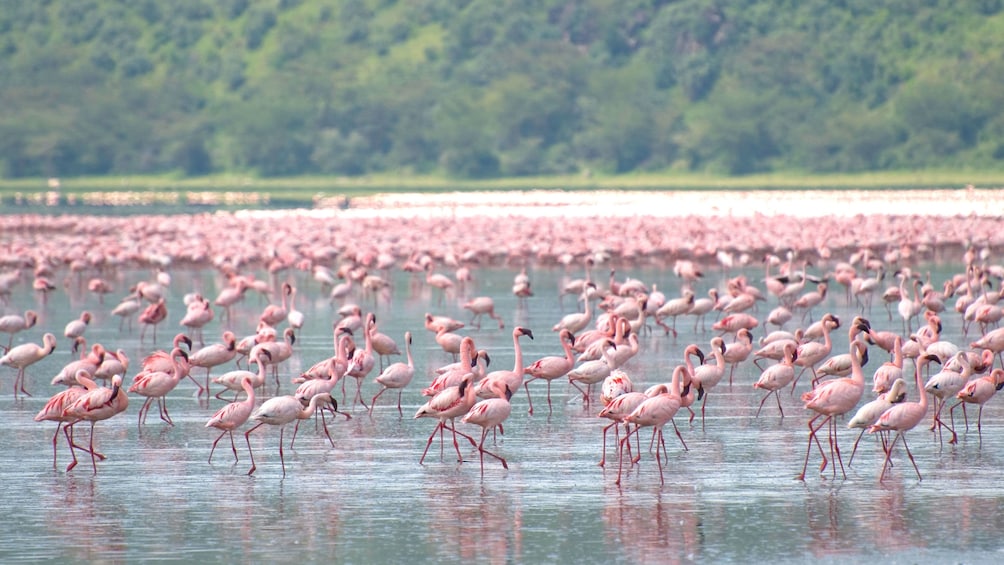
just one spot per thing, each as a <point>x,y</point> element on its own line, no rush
<point>731,497</point>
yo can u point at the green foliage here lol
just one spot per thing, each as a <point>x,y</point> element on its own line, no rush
<point>486,88</point>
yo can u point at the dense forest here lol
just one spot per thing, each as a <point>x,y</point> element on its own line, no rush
<point>488,88</point>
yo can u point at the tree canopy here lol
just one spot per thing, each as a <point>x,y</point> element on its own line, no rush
<point>490,88</point>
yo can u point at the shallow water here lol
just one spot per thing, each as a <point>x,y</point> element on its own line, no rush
<point>731,497</point>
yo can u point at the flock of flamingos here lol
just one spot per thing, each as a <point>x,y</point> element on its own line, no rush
<point>916,379</point>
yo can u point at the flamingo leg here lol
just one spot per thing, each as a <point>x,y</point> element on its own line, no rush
<point>620,466</point>
<point>526,386</point>
<point>808,449</point>
<point>910,455</point>
<point>250,451</point>
<point>679,436</point>
<point>282,458</point>
<point>374,399</point>
<point>603,458</point>
<point>429,443</point>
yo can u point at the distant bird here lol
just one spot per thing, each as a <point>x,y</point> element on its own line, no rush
<point>151,316</point>
<point>396,376</point>
<point>14,323</point>
<point>76,328</point>
<point>481,306</point>
<point>25,355</point>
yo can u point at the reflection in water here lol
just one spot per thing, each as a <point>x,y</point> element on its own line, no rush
<point>472,523</point>
<point>655,528</point>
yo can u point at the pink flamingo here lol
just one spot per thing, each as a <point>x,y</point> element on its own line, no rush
<point>76,328</point>
<point>362,362</point>
<point>449,403</point>
<point>708,376</point>
<point>738,351</point>
<point>778,376</point>
<point>946,384</point>
<point>25,355</point>
<point>198,314</point>
<point>96,405</point>
<point>615,411</point>
<point>14,323</point>
<point>157,385</point>
<point>280,411</point>
<point>979,391</point>
<point>234,380</point>
<point>869,412</point>
<point>903,417</point>
<point>232,416</point>
<point>54,411</point>
<point>152,315</point>
<point>396,376</point>
<point>512,379</point>
<point>480,306</point>
<point>655,411</point>
<point>550,368</point>
<point>273,314</point>
<point>834,398</point>
<point>488,414</point>
<point>213,355</point>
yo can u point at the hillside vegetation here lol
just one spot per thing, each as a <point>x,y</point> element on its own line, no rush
<point>498,88</point>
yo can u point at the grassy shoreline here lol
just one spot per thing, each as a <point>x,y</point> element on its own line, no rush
<point>307,189</point>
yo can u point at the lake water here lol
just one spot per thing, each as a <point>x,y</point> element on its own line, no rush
<point>731,498</point>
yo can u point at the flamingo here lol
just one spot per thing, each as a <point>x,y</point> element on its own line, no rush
<point>362,362</point>
<point>889,371</point>
<point>488,414</point>
<point>198,314</point>
<point>946,384</point>
<point>125,309</point>
<point>156,385</point>
<point>738,351</point>
<point>233,416</point>
<point>778,376</point>
<point>234,380</point>
<point>674,308</point>
<point>708,376</point>
<point>94,406</point>
<point>550,368</point>
<point>513,379</point>
<point>903,417</point>
<point>438,280</point>
<point>213,355</point>
<point>274,314</point>
<point>655,411</point>
<point>383,344</point>
<point>449,403</point>
<point>577,321</point>
<point>151,316</point>
<point>869,412</point>
<point>616,410</point>
<point>592,372</point>
<point>14,323</point>
<point>834,398</point>
<point>54,411</point>
<point>25,355</point>
<point>396,376</point>
<point>75,328</point>
<point>280,411</point>
<point>979,391</point>
<point>480,306</point>
<point>294,317</point>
